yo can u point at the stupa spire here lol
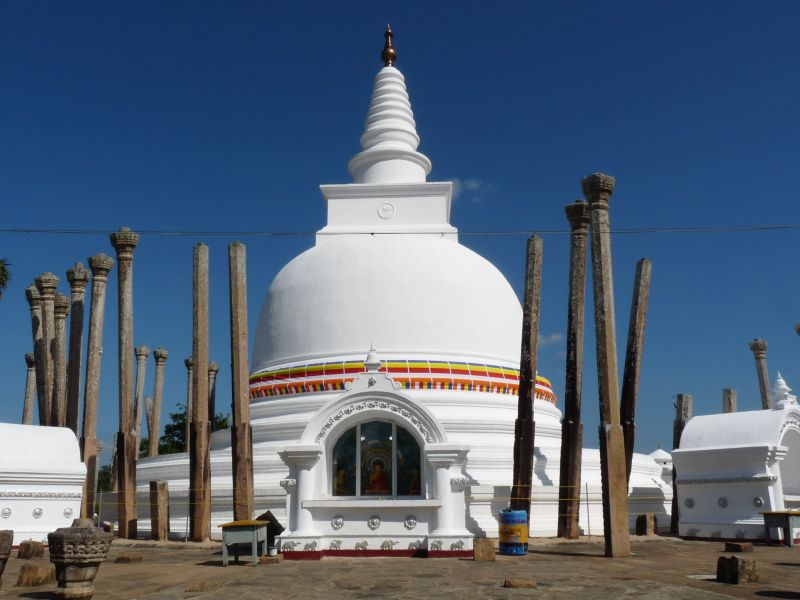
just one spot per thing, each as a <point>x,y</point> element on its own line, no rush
<point>389,142</point>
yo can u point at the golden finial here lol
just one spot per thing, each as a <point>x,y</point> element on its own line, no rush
<point>389,54</point>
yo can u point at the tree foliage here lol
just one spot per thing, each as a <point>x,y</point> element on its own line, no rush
<point>5,275</point>
<point>174,438</point>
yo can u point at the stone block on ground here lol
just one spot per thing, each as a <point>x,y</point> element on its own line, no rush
<point>271,560</point>
<point>483,549</point>
<point>646,524</point>
<point>519,582</point>
<point>32,575</point>
<point>129,558</point>
<point>205,585</point>
<point>732,569</point>
<point>738,547</point>
<point>30,549</point>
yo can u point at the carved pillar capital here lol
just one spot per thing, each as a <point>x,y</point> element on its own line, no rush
<point>160,355</point>
<point>759,348</point>
<point>30,360</point>
<point>61,304</point>
<point>33,297</point>
<point>124,241</point>
<point>578,216</point>
<point>47,283</point>
<point>142,352</point>
<point>213,369</point>
<point>78,277</point>
<point>189,362</point>
<point>597,188</point>
<point>100,264</point>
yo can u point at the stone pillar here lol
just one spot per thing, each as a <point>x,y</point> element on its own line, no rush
<point>241,433</point>
<point>124,242</point>
<point>35,305</point>
<point>142,354</point>
<point>759,349</point>
<point>47,283</point>
<point>61,308</point>
<point>100,264</point>
<point>30,389</point>
<point>598,189</point>
<point>159,510</point>
<point>213,369</point>
<point>524,427</point>
<point>571,427</point>
<point>442,458</point>
<point>728,400</point>
<point>683,412</point>
<point>189,362</point>
<point>301,460</point>
<point>199,460</point>
<point>633,358</point>
<point>160,356</point>
<point>78,278</point>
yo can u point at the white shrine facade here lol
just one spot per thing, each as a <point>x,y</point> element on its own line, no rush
<point>41,480</point>
<point>409,450</point>
<point>732,467</point>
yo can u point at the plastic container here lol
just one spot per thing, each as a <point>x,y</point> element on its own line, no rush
<point>513,529</point>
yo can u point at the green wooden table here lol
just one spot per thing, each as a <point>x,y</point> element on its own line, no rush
<point>782,519</point>
<point>243,532</point>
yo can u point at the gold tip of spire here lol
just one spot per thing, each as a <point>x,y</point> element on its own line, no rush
<point>389,54</point>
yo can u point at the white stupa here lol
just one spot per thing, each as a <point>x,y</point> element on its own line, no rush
<point>410,447</point>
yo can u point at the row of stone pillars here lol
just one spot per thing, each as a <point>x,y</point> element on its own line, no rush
<point>617,415</point>
<point>57,386</point>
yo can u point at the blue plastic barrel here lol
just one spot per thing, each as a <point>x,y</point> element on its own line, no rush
<point>513,529</point>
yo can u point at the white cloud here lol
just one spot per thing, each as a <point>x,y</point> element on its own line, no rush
<point>550,339</point>
<point>473,189</point>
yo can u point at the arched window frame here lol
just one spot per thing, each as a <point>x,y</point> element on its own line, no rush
<point>359,495</point>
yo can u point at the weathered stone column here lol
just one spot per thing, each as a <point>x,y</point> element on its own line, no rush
<point>78,278</point>
<point>633,359</point>
<point>213,369</point>
<point>241,432</point>
<point>759,349</point>
<point>100,264</point>
<point>161,356</point>
<point>142,354</point>
<point>571,426</point>
<point>524,427</point>
<point>728,400</point>
<point>124,242</point>
<point>47,283</point>
<point>159,510</point>
<point>61,308</point>
<point>683,412</point>
<point>30,389</point>
<point>35,305</point>
<point>598,189</point>
<point>199,459</point>
<point>189,362</point>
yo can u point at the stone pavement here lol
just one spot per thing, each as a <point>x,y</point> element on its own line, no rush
<point>659,568</point>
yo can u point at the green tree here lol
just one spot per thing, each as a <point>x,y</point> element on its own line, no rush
<point>174,438</point>
<point>5,275</point>
<point>104,479</point>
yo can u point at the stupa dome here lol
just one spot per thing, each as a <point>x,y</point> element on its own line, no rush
<point>407,295</point>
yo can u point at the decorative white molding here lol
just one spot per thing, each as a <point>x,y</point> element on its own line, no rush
<point>289,484</point>
<point>25,494</point>
<point>383,405</point>
<point>459,483</point>
<point>716,480</point>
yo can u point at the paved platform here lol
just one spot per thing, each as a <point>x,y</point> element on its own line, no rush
<point>660,568</point>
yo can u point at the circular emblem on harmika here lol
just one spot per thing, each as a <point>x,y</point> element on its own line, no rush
<point>410,522</point>
<point>337,522</point>
<point>67,513</point>
<point>5,513</point>
<point>37,512</point>
<point>374,522</point>
<point>386,210</point>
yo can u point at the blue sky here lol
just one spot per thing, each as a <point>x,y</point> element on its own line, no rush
<point>228,116</point>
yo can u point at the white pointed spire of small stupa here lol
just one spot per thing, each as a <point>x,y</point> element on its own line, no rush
<point>372,362</point>
<point>389,142</point>
<point>781,398</point>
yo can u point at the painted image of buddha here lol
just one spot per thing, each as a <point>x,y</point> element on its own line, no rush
<point>378,482</point>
